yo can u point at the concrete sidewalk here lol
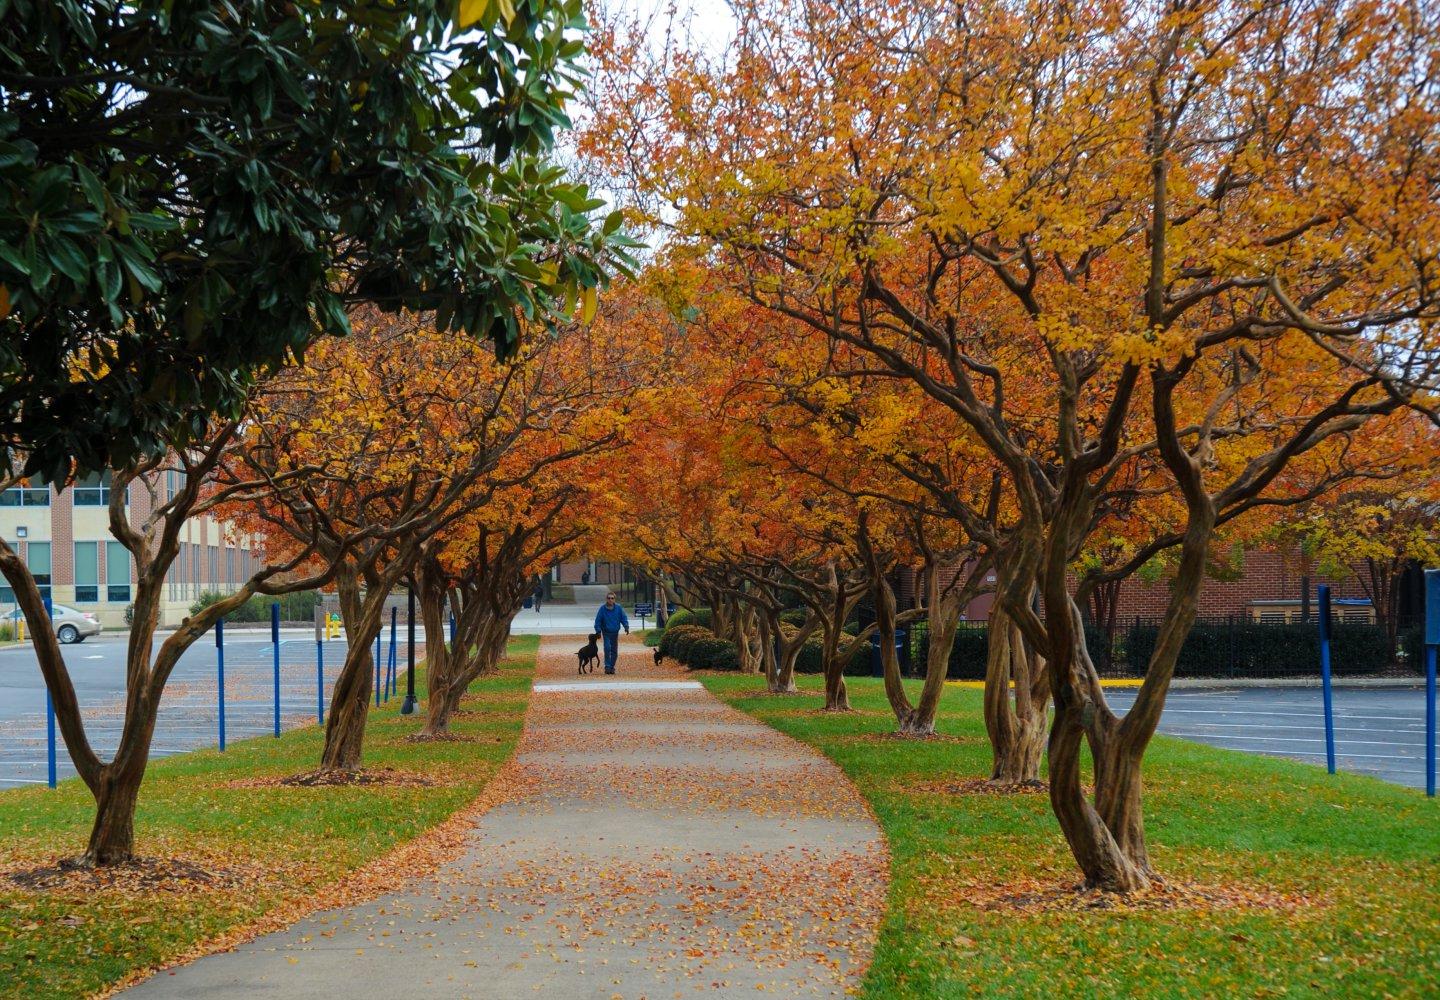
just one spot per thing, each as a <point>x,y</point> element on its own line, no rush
<point>656,844</point>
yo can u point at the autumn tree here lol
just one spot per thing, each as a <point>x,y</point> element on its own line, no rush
<point>395,434</point>
<point>1200,236</point>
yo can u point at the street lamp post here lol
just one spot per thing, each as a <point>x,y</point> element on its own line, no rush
<point>408,708</point>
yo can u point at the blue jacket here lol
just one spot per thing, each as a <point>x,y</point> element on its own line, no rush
<point>611,619</point>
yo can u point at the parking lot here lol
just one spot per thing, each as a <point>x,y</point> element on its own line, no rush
<point>1378,731</point>
<point>189,711</point>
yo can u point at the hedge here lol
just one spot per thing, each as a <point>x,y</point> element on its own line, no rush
<point>685,616</point>
<point>699,649</point>
<point>811,659</point>
<point>1242,648</point>
<point>297,607</point>
<point>971,649</point>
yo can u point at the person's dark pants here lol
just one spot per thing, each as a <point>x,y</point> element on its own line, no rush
<point>612,651</point>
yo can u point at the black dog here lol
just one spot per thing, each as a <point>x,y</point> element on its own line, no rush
<point>658,656</point>
<point>589,654</point>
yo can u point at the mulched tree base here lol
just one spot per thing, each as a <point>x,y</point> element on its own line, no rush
<point>1076,898</point>
<point>325,778</point>
<point>443,738</point>
<point>140,875</point>
<point>979,786</point>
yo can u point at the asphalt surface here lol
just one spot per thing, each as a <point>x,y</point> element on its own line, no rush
<point>1379,732</point>
<point>189,711</point>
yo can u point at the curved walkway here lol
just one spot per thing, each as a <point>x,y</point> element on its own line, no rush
<point>655,843</point>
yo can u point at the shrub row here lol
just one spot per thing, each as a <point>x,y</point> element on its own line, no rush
<point>696,647</point>
<point>812,655</point>
<point>296,607</point>
<point>685,616</point>
<point>1241,648</point>
<point>1236,648</point>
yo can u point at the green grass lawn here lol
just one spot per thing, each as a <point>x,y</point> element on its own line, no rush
<point>1365,853</point>
<point>291,843</point>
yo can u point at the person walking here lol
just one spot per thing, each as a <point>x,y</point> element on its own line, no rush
<point>539,594</point>
<point>609,620</point>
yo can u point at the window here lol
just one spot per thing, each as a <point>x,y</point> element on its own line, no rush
<point>117,572</point>
<point>229,565</point>
<point>32,492</point>
<point>37,558</point>
<point>194,570</point>
<point>169,485</point>
<point>214,567</point>
<point>93,490</point>
<point>87,572</point>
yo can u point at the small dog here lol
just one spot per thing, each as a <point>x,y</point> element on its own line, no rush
<point>658,656</point>
<point>589,654</point>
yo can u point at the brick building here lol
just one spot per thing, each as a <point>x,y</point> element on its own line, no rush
<point>64,538</point>
<point>1269,586</point>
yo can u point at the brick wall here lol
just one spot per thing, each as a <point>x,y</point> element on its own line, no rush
<point>1267,576</point>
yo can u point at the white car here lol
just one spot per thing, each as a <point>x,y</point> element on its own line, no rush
<point>70,625</point>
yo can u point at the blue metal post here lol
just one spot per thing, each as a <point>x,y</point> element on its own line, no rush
<point>320,682</point>
<point>394,646</point>
<point>1432,642</point>
<point>50,736</point>
<point>377,669</point>
<point>50,762</point>
<point>275,639</point>
<point>452,633</point>
<point>220,676</point>
<point>1430,721</point>
<point>1324,591</point>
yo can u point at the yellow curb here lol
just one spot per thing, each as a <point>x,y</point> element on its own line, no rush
<point>1114,682</point>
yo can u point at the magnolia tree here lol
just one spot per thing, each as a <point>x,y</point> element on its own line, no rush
<point>1199,237</point>
<point>191,198</point>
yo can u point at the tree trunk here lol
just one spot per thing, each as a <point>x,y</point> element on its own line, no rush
<point>441,664</point>
<point>112,837</point>
<point>782,654</point>
<point>837,696</point>
<point>944,620</point>
<point>350,704</point>
<point>1015,723</point>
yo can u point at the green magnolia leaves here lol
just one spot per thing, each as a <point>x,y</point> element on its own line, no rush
<point>192,191</point>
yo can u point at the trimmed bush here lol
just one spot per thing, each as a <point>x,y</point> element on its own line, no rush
<point>1242,648</point>
<point>699,649</point>
<point>675,644</point>
<point>700,616</point>
<point>297,607</point>
<point>811,659</point>
<point>709,652</point>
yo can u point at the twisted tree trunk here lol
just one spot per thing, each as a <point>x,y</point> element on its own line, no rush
<point>350,704</point>
<point>1014,721</point>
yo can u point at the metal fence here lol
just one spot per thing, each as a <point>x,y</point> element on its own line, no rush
<point>243,686</point>
<point>1232,647</point>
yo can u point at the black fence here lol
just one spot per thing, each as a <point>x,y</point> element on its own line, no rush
<point>1223,648</point>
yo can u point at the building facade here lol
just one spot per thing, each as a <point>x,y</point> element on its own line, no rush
<point>64,538</point>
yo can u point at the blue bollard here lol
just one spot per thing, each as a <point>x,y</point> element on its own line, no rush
<point>49,714</point>
<point>1432,642</point>
<point>50,737</point>
<point>1430,721</point>
<point>452,633</point>
<point>275,638</point>
<point>1324,592</point>
<point>320,682</point>
<point>377,669</point>
<point>220,676</point>
<point>394,646</point>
